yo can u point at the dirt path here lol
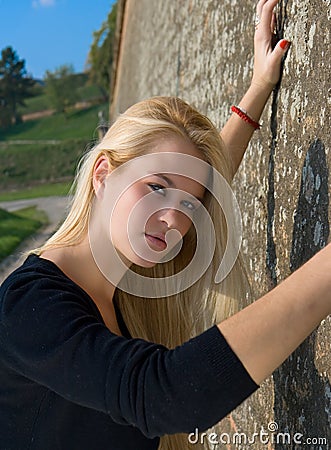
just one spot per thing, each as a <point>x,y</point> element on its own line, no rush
<point>38,114</point>
<point>54,207</point>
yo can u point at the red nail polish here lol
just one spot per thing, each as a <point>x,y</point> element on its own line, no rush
<point>284,44</point>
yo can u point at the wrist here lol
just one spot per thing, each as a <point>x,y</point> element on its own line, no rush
<point>262,86</point>
<point>243,114</point>
<point>255,99</point>
<point>252,105</point>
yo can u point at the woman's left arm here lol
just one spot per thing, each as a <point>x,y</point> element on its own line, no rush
<point>237,133</point>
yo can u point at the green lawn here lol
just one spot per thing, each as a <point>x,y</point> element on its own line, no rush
<point>44,190</point>
<point>78,124</point>
<point>52,151</point>
<point>35,104</point>
<point>41,102</point>
<point>15,227</point>
<point>23,166</point>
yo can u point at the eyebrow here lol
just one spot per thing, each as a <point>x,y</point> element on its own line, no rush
<point>172,184</point>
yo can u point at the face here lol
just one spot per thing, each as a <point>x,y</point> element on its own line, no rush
<point>156,211</point>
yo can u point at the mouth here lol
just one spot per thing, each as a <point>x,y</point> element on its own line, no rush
<point>156,241</point>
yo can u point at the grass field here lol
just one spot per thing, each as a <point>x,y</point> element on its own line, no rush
<point>39,157</point>
<point>44,190</point>
<point>31,165</point>
<point>46,150</point>
<point>15,227</point>
<point>81,124</point>
<point>41,102</point>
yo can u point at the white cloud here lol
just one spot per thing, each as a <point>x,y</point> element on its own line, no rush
<point>43,3</point>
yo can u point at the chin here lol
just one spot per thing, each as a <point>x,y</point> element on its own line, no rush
<point>129,258</point>
<point>140,261</point>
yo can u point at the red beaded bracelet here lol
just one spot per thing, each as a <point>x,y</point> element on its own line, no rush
<point>244,116</point>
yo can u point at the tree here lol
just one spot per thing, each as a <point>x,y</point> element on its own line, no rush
<point>61,87</point>
<point>100,57</point>
<point>15,86</point>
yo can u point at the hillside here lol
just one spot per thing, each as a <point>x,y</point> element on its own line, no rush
<point>46,150</point>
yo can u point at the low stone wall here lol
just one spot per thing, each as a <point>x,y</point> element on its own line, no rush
<point>201,50</point>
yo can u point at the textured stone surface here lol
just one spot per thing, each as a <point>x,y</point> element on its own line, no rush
<point>201,50</point>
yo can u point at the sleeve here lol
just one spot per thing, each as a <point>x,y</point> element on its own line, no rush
<point>51,338</point>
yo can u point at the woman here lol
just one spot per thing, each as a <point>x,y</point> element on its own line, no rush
<point>88,361</point>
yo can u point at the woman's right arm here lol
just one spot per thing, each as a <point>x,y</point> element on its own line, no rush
<point>49,333</point>
<point>265,333</point>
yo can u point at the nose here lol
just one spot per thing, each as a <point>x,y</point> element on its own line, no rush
<point>174,218</point>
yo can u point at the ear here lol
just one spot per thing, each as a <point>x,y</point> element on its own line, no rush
<point>100,172</point>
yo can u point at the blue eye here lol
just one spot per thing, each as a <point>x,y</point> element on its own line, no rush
<point>188,205</point>
<point>157,188</point>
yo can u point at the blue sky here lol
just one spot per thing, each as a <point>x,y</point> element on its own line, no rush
<point>49,33</point>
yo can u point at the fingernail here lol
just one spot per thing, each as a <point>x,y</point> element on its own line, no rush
<point>284,44</point>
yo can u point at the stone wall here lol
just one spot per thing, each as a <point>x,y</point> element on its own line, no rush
<point>201,50</point>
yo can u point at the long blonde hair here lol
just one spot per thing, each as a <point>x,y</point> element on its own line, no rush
<point>167,320</point>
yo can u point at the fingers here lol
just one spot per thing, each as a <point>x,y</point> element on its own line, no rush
<point>280,49</point>
<point>265,11</point>
<point>269,3</point>
<point>259,7</point>
<point>265,3</point>
<point>282,46</point>
<point>267,68</point>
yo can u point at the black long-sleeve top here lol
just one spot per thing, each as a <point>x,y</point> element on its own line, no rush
<point>67,382</point>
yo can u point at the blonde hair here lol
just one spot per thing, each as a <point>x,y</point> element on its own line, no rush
<point>175,319</point>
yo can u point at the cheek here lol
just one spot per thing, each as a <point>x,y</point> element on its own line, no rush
<point>125,211</point>
<point>185,225</point>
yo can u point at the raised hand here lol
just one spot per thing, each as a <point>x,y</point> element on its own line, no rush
<point>267,58</point>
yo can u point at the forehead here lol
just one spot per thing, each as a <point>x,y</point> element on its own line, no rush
<point>179,160</point>
<point>176,144</point>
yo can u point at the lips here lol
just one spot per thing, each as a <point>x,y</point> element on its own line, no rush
<point>156,240</point>
<point>160,236</point>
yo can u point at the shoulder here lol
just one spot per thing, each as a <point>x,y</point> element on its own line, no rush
<point>39,286</point>
<point>43,312</point>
